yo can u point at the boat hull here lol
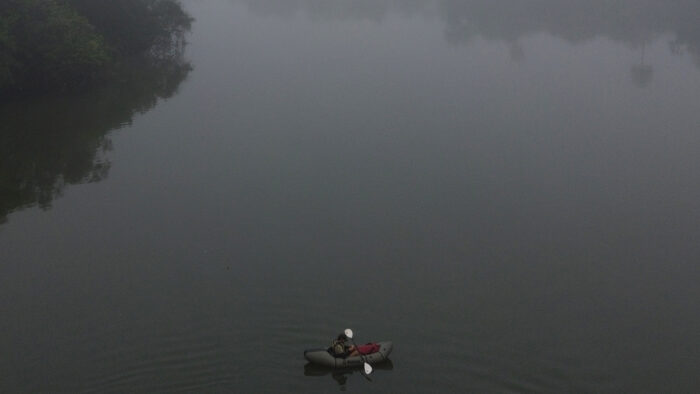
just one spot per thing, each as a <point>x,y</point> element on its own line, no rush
<point>323,357</point>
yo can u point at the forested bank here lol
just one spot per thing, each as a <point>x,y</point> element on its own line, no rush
<point>59,45</point>
<point>70,72</point>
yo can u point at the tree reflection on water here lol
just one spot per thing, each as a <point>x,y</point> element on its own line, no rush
<point>634,23</point>
<point>51,142</point>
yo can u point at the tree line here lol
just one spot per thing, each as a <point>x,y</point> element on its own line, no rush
<point>57,45</point>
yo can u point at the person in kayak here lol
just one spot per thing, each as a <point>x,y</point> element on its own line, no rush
<point>340,348</point>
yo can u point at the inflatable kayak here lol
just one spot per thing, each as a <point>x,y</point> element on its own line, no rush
<point>324,357</point>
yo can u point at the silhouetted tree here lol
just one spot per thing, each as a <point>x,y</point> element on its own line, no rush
<point>64,44</point>
<point>136,26</point>
<point>47,44</point>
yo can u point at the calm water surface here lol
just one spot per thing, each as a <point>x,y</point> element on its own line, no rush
<point>510,191</point>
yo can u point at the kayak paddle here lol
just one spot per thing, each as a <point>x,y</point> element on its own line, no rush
<point>368,368</point>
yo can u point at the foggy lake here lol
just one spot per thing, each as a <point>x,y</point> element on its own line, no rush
<point>507,190</point>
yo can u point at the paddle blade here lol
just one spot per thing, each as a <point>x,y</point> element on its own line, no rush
<point>368,369</point>
<point>348,333</point>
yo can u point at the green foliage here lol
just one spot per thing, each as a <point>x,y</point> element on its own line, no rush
<point>64,44</point>
<point>46,44</point>
<point>136,26</point>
